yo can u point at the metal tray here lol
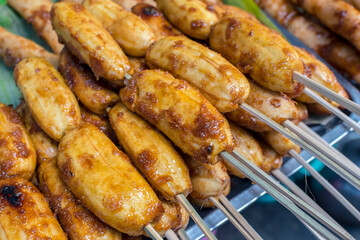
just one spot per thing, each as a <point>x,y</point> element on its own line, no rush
<point>243,192</point>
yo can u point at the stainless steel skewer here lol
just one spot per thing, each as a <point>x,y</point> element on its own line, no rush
<point>182,234</point>
<point>195,216</point>
<point>170,235</point>
<point>152,233</point>
<point>239,217</point>
<point>333,191</point>
<point>311,149</point>
<point>346,103</point>
<point>272,187</point>
<point>335,163</point>
<point>231,218</point>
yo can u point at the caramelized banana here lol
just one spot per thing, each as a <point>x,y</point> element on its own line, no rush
<point>321,74</point>
<point>174,217</point>
<point>52,104</point>
<point>233,11</point>
<point>271,160</point>
<point>152,154</point>
<point>275,105</point>
<point>180,112</point>
<point>87,39</point>
<point>95,95</point>
<point>193,17</point>
<point>17,153</point>
<point>280,143</point>
<point>37,12</point>
<point>138,64</point>
<point>246,145</point>
<point>77,221</point>
<point>208,181</point>
<point>46,148</point>
<point>15,48</point>
<point>25,214</point>
<point>129,4</point>
<point>101,122</point>
<point>258,51</point>
<point>156,20</point>
<point>217,79</point>
<point>132,34</point>
<point>104,180</point>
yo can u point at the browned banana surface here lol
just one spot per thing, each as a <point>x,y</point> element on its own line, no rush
<point>258,51</point>
<point>217,79</point>
<point>104,180</point>
<point>279,142</point>
<point>337,15</point>
<point>46,148</point>
<point>94,94</point>
<point>246,145</point>
<point>151,153</point>
<point>78,222</point>
<point>180,112</point>
<point>17,153</point>
<point>129,4</point>
<point>87,39</point>
<point>25,214</point>
<point>14,48</point>
<point>156,20</point>
<point>334,50</point>
<point>276,106</point>
<point>271,160</point>
<point>138,64</point>
<point>233,11</point>
<point>208,181</point>
<point>355,3</point>
<point>192,17</point>
<point>51,102</point>
<point>131,32</point>
<point>37,12</point>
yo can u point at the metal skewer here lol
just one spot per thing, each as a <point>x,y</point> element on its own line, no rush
<point>346,160</point>
<point>239,217</point>
<point>312,150</point>
<point>272,187</point>
<point>195,216</point>
<point>333,109</point>
<point>182,234</point>
<point>152,232</point>
<point>333,191</point>
<point>170,235</point>
<point>346,103</point>
<point>335,163</point>
<point>231,218</point>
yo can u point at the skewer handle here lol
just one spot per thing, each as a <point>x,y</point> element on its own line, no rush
<point>170,235</point>
<point>346,103</point>
<point>231,218</point>
<point>195,216</point>
<point>333,109</point>
<point>333,191</point>
<point>239,217</point>
<point>152,232</point>
<point>182,234</point>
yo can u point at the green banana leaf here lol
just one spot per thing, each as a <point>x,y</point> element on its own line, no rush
<point>9,19</point>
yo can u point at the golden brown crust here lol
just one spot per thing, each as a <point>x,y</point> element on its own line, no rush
<point>151,153</point>
<point>77,221</point>
<point>46,148</point>
<point>271,160</point>
<point>104,180</point>
<point>25,214</point>
<point>275,105</point>
<point>132,34</point>
<point>258,51</point>
<point>280,143</point>
<point>138,64</point>
<point>129,4</point>
<point>193,17</point>
<point>87,39</point>
<point>37,12</point>
<point>321,74</point>
<point>180,112</point>
<point>156,20</point>
<point>246,145</point>
<point>217,79</point>
<point>233,11</point>
<point>15,48</point>
<point>208,181</point>
<point>94,94</point>
<point>17,153</point>
<point>51,102</point>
